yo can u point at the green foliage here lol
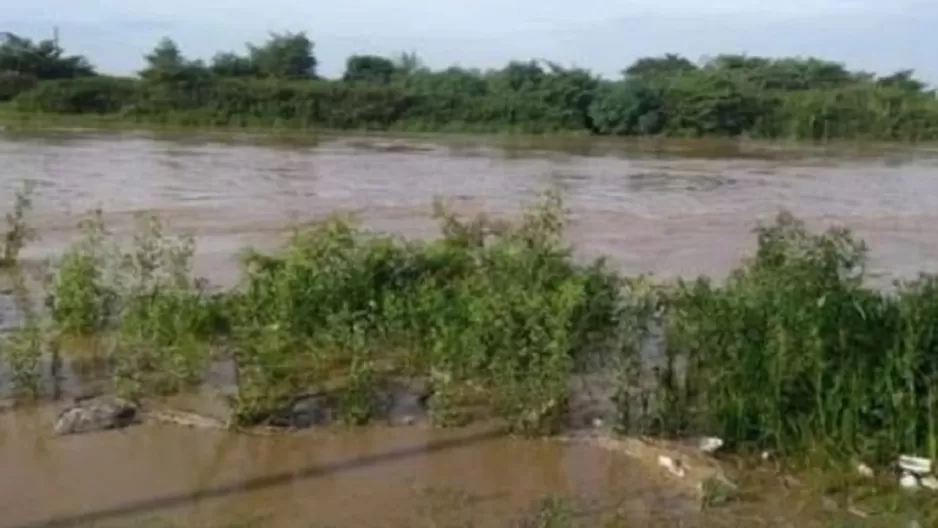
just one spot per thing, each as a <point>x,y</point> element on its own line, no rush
<point>18,232</point>
<point>285,56</point>
<point>369,68</point>
<point>232,65</point>
<point>668,66</point>
<point>160,318</point>
<point>275,84</point>
<point>22,349</point>
<point>86,95</point>
<point>166,64</point>
<point>14,83</point>
<point>627,108</point>
<point>489,305</point>
<point>794,353</point>
<point>82,296</point>
<point>23,62</point>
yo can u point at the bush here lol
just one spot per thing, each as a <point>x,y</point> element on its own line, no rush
<point>794,353</point>
<point>81,95</point>
<point>14,83</point>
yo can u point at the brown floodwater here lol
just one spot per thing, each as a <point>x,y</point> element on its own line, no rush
<point>670,209</point>
<point>395,477</point>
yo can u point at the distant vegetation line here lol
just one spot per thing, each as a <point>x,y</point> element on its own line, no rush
<point>276,84</point>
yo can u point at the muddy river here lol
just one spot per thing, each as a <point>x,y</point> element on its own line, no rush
<point>668,209</point>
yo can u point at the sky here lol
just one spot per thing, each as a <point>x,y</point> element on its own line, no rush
<point>605,36</point>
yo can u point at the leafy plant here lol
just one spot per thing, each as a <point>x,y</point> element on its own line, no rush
<point>18,232</point>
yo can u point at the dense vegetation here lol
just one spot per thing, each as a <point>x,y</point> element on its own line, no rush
<point>276,84</point>
<point>793,353</point>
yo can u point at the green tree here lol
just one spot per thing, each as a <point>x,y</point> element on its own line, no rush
<point>285,55</point>
<point>902,79</point>
<point>408,63</point>
<point>369,68</point>
<point>166,63</point>
<point>43,60</point>
<point>232,65</point>
<point>668,65</point>
<point>626,108</point>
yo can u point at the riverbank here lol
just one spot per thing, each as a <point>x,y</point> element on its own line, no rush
<point>15,122</point>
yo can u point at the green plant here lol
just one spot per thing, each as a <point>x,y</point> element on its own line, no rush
<point>553,512</point>
<point>160,319</point>
<point>795,354</point>
<point>18,232</point>
<point>81,290</point>
<point>500,308</point>
<point>23,347</point>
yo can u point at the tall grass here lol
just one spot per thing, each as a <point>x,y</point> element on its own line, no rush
<point>794,352</point>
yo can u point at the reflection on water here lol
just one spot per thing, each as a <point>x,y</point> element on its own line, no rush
<point>368,477</point>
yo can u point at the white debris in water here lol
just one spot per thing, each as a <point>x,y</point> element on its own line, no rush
<point>908,481</point>
<point>598,423</point>
<point>671,465</point>
<point>710,444</point>
<point>915,465</point>
<point>929,482</point>
<point>766,455</point>
<point>865,471</point>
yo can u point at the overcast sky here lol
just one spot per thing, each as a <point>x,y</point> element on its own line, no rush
<point>603,35</point>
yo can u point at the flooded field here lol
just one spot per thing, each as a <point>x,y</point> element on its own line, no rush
<point>671,210</point>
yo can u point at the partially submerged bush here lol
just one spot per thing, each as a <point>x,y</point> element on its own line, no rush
<point>794,353</point>
<point>159,316</point>
<point>499,307</point>
<point>18,233</point>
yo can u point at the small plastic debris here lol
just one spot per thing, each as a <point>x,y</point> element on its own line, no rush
<point>671,465</point>
<point>710,444</point>
<point>598,423</point>
<point>865,471</point>
<point>915,465</point>
<point>766,455</point>
<point>929,482</point>
<point>908,481</point>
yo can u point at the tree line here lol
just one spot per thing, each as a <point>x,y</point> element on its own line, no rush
<point>275,83</point>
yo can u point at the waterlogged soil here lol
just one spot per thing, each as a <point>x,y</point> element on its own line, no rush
<point>672,209</point>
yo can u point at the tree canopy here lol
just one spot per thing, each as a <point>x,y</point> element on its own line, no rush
<point>276,82</point>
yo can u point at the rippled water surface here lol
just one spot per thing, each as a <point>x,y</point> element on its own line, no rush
<point>662,209</point>
<point>665,208</point>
